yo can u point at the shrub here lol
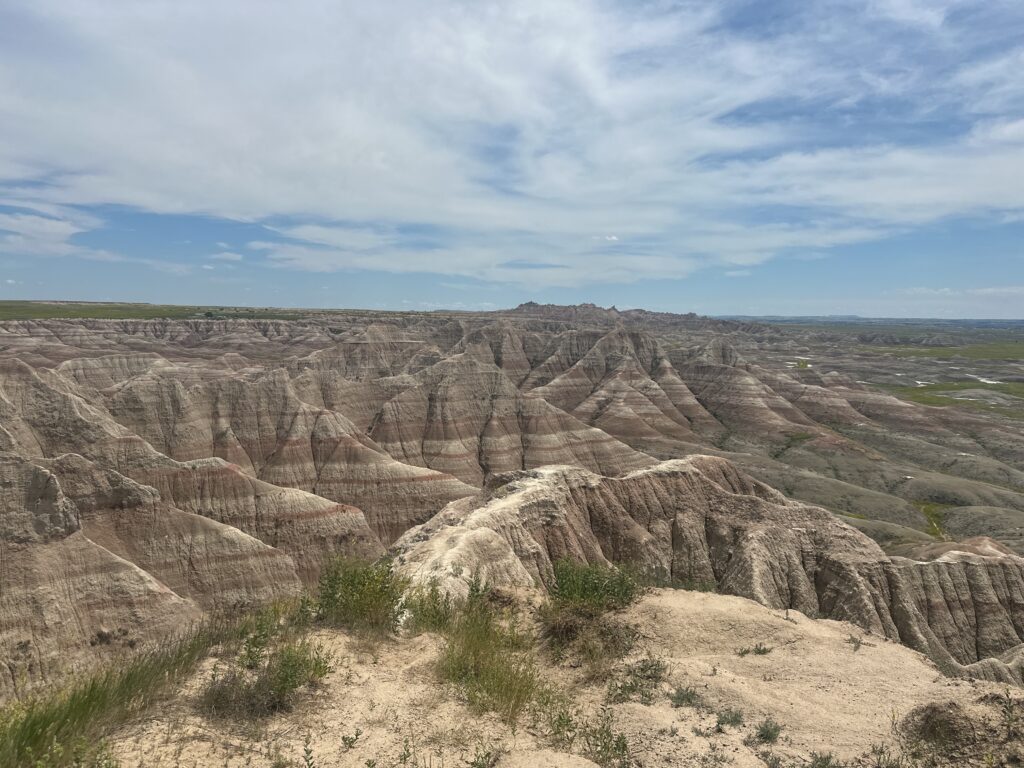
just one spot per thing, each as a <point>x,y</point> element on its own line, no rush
<point>824,760</point>
<point>731,717</point>
<point>574,619</point>
<point>685,697</point>
<point>271,687</point>
<point>767,731</point>
<point>362,597</point>
<point>428,609</point>
<point>594,587</point>
<point>758,650</point>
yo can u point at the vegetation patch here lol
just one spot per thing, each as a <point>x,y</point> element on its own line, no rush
<point>935,514</point>
<point>65,727</point>
<point>270,683</point>
<point>575,620</point>
<point>365,598</point>
<point>489,658</point>
<point>638,682</point>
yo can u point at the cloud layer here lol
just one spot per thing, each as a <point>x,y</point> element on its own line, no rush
<point>541,142</point>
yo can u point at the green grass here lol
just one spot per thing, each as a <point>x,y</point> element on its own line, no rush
<point>365,598</point>
<point>935,514</point>
<point>489,658</point>
<point>272,685</point>
<point>575,619</point>
<point>995,350</point>
<point>43,310</point>
<point>940,394</point>
<point>594,587</point>
<point>54,728</point>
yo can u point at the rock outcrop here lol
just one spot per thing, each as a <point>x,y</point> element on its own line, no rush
<point>700,522</point>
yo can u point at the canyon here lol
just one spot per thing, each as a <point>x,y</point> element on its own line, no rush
<point>158,471</point>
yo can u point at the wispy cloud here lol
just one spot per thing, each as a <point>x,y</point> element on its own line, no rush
<point>545,142</point>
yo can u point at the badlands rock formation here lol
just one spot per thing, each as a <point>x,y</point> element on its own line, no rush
<point>157,470</point>
<point>700,522</point>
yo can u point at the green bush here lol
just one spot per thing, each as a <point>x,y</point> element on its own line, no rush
<point>575,618</point>
<point>731,717</point>
<point>594,587</point>
<point>362,597</point>
<point>428,609</point>
<point>686,697</point>
<point>767,731</point>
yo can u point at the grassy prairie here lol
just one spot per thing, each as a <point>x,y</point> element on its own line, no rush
<point>942,394</point>
<point>995,350</point>
<point>42,310</point>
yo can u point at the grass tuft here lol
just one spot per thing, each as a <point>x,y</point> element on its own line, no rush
<point>488,657</point>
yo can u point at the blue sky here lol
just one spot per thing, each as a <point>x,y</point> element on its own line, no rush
<point>833,157</point>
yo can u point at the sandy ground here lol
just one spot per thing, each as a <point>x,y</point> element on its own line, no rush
<point>827,695</point>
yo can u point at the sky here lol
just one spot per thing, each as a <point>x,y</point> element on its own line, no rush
<point>794,157</point>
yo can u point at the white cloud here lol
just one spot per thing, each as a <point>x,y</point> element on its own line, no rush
<point>208,266</point>
<point>508,142</point>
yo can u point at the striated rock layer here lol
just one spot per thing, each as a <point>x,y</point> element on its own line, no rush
<point>699,521</point>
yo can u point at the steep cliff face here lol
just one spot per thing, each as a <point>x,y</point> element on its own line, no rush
<point>701,521</point>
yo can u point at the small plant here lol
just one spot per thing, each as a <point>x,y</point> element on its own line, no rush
<point>640,680</point>
<point>593,586</point>
<point>730,717</point>
<point>603,745</point>
<point>856,642</point>
<point>272,687</point>
<point>428,609</point>
<point>350,741</point>
<point>767,731</point>
<point>307,754</point>
<point>485,758</point>
<point>770,760</point>
<point>363,597</point>
<point>760,649</point>
<point>824,760</point>
<point>686,697</point>
<point>1009,712</point>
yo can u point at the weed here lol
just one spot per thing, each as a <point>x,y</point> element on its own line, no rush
<point>488,659</point>
<point>428,609</point>
<point>731,717</point>
<point>767,731</point>
<point>603,745</point>
<point>639,681</point>
<point>350,741</point>
<point>598,588</point>
<point>686,697</point>
<point>51,729</point>
<point>271,687</point>
<point>760,649</point>
<point>824,760</point>
<point>855,641</point>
